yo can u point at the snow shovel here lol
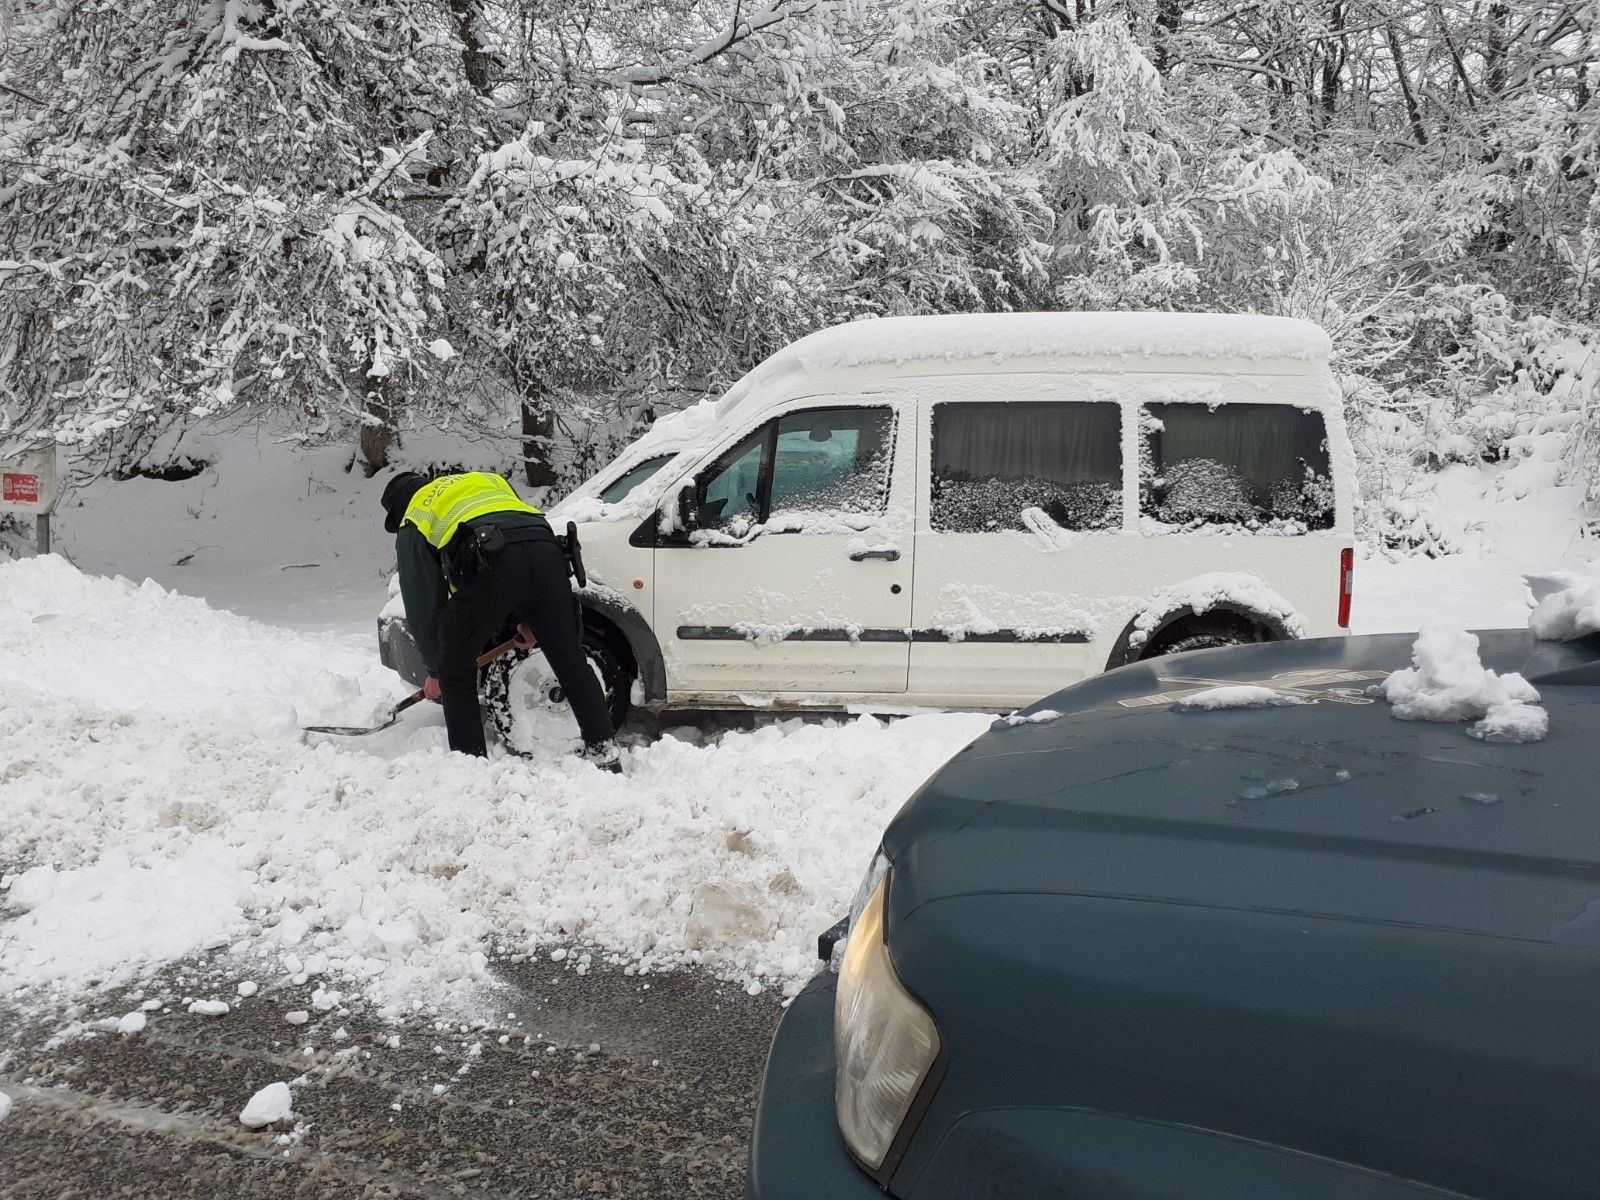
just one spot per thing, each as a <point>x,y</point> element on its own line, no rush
<point>416,697</point>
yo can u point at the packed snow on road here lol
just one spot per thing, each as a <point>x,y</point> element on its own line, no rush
<point>162,801</point>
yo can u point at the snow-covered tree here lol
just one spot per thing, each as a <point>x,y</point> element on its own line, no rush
<point>214,204</point>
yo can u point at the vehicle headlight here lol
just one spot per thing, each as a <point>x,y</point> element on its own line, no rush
<point>884,1041</point>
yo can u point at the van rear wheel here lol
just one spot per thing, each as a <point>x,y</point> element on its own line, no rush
<point>1209,634</point>
<point>1199,641</point>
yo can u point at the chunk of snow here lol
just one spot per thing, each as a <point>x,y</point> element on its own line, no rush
<point>247,988</point>
<point>1448,682</point>
<point>5,1106</point>
<point>298,1017</point>
<point>1242,695</point>
<point>208,1008</point>
<point>1512,722</point>
<point>1566,605</point>
<point>442,350</point>
<point>132,1023</point>
<point>270,1105</point>
<point>339,700</point>
<point>1036,718</point>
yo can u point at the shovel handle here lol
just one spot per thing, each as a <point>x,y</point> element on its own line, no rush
<point>500,651</point>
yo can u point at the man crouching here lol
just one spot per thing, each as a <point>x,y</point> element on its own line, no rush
<point>471,555</point>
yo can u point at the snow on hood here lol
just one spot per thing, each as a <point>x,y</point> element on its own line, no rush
<point>1566,605</point>
<point>1447,681</point>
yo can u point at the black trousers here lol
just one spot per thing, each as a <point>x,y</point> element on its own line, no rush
<point>528,581</point>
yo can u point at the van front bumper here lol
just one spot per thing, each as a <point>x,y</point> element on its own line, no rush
<point>796,1152</point>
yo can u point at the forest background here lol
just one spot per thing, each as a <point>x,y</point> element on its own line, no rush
<point>539,224</point>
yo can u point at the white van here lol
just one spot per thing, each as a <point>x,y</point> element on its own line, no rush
<point>966,512</point>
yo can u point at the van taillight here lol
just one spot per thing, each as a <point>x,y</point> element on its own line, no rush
<point>1347,584</point>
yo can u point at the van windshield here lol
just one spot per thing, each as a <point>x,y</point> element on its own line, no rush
<point>619,488</point>
<point>1257,468</point>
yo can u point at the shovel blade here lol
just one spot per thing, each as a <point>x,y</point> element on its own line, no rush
<point>350,730</point>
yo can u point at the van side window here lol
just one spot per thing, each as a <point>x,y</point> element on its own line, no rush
<point>832,460</point>
<point>823,460</point>
<point>992,463</point>
<point>728,495</point>
<point>1251,467</point>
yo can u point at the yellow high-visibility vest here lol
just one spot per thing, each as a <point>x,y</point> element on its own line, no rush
<point>440,507</point>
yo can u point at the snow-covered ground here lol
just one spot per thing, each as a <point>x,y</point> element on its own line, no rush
<point>160,799</point>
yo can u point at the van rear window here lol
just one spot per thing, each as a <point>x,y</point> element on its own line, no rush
<point>1255,468</point>
<point>1000,466</point>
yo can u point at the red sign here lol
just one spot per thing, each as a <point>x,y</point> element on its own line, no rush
<point>19,489</point>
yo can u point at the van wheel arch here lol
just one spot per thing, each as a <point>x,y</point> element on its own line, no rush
<point>624,630</point>
<point>1228,624</point>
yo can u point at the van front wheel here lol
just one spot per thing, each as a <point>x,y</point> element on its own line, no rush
<point>524,703</point>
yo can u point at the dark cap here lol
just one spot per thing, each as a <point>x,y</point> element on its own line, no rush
<point>397,495</point>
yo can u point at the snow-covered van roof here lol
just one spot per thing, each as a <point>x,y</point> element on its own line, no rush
<point>1024,339</point>
<point>980,342</point>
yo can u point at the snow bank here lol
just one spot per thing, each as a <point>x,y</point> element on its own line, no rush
<point>398,873</point>
<point>95,923</point>
<point>1242,695</point>
<point>154,831</point>
<point>270,1105</point>
<point>1448,682</point>
<point>137,646</point>
<point>1566,605</point>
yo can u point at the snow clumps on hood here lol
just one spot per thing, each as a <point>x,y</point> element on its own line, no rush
<point>1242,695</point>
<point>1448,682</point>
<point>1566,605</point>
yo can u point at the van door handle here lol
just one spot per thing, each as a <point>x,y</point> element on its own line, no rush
<point>864,555</point>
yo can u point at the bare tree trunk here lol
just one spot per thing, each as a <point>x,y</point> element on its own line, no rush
<point>1412,111</point>
<point>538,432</point>
<point>1169,15</point>
<point>475,57</point>
<point>1494,54</point>
<point>1332,63</point>
<point>377,433</point>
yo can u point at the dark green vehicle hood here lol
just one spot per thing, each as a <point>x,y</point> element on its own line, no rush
<point>1364,945</point>
<point>1332,807</point>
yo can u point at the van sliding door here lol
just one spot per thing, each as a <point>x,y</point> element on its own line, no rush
<point>1021,502</point>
